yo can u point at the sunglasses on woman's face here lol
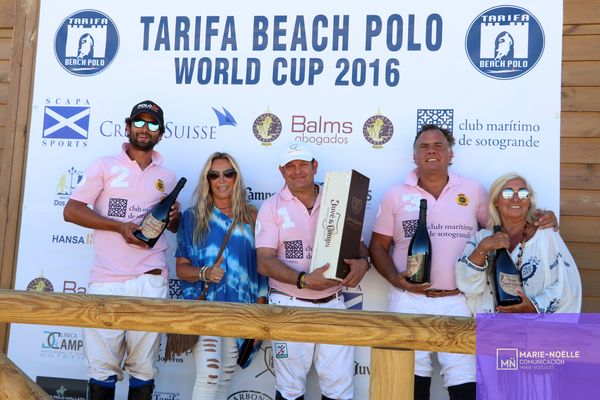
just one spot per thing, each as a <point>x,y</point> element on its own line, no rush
<point>509,193</point>
<point>152,126</point>
<point>228,173</point>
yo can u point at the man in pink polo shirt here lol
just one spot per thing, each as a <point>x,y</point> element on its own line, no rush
<point>122,189</point>
<point>285,231</point>
<point>456,208</point>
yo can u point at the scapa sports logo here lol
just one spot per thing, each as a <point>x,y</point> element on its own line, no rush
<point>505,42</point>
<point>86,42</point>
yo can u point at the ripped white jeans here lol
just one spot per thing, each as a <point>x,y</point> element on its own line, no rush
<point>216,360</point>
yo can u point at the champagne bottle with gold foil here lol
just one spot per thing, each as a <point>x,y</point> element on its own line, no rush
<point>419,250</point>
<point>507,278</point>
<point>155,223</point>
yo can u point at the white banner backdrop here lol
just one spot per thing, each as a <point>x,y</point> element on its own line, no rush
<point>353,80</point>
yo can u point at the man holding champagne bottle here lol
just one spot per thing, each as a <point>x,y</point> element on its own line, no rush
<point>122,189</point>
<point>456,206</point>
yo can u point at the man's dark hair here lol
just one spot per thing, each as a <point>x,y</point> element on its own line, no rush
<point>430,127</point>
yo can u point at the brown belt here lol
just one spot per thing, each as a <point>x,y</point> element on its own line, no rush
<point>441,292</point>
<point>314,301</point>
<point>155,271</point>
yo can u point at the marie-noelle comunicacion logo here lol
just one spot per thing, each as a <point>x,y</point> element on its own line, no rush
<point>505,42</point>
<point>86,42</point>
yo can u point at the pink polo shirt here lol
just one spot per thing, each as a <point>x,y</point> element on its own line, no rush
<point>118,189</point>
<point>284,224</point>
<point>451,220</point>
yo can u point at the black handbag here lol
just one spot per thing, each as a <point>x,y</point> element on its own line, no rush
<point>247,350</point>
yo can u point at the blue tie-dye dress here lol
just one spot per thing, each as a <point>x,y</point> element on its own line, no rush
<point>241,283</point>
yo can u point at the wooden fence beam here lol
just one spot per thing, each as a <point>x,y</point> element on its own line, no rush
<point>355,328</point>
<point>15,385</point>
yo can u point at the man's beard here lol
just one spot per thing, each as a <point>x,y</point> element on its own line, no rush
<point>144,146</point>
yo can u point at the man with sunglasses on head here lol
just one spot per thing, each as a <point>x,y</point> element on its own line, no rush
<point>122,189</point>
<point>456,208</point>
<point>285,232</point>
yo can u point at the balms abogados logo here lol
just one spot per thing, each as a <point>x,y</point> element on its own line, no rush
<point>267,128</point>
<point>505,42</point>
<point>86,42</point>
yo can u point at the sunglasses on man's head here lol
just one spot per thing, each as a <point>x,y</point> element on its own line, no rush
<point>152,126</point>
<point>508,193</point>
<point>214,175</point>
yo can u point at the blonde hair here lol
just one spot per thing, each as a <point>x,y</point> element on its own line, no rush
<point>495,190</point>
<point>242,211</point>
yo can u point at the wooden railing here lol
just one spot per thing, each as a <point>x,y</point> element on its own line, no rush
<point>392,337</point>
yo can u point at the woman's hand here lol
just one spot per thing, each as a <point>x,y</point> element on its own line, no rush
<point>526,305</point>
<point>215,273</point>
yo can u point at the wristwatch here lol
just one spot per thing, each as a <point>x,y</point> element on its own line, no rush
<point>368,260</point>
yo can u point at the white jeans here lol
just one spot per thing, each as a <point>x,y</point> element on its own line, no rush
<point>334,363</point>
<point>216,360</point>
<point>110,351</point>
<point>456,368</point>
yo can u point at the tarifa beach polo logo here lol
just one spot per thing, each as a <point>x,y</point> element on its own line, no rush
<point>86,42</point>
<point>505,42</point>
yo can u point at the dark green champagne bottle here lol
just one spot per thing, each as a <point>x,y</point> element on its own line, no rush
<point>507,278</point>
<point>419,250</point>
<point>155,223</point>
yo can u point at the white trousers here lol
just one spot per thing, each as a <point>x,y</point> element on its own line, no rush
<point>110,351</point>
<point>456,368</point>
<point>334,363</point>
<point>216,360</point>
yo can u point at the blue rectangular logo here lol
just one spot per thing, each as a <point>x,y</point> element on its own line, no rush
<point>66,122</point>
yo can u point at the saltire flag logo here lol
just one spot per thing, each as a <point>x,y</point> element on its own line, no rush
<point>66,122</point>
<point>353,300</point>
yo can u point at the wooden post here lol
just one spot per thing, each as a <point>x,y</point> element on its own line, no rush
<point>15,385</point>
<point>392,374</point>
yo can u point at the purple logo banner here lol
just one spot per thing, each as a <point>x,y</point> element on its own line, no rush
<point>538,356</point>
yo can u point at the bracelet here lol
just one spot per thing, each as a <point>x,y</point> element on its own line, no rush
<point>300,281</point>
<point>368,260</point>
<point>481,253</point>
<point>202,273</point>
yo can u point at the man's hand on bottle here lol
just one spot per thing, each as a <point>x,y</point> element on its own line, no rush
<point>403,284</point>
<point>174,216</point>
<point>127,230</point>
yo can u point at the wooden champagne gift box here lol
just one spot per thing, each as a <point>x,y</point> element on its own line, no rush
<point>340,222</point>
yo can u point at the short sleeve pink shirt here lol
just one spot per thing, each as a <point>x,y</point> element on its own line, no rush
<point>118,189</point>
<point>284,224</point>
<point>451,220</point>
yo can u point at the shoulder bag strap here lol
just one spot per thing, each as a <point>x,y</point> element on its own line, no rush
<point>221,250</point>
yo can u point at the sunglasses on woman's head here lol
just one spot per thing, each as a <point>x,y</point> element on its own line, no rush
<point>214,175</point>
<point>152,126</point>
<point>508,193</point>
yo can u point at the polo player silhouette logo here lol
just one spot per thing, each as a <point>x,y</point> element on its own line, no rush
<point>86,47</point>
<point>504,47</point>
